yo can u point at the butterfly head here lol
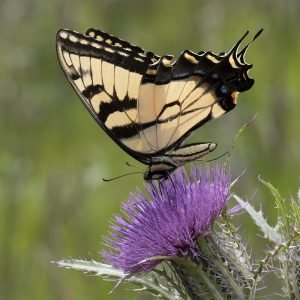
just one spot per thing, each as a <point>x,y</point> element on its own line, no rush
<point>159,170</point>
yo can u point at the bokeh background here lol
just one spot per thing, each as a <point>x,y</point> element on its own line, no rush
<point>53,203</point>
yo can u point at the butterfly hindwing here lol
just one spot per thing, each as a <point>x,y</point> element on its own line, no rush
<point>183,95</point>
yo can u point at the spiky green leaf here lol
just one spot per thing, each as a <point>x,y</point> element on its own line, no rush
<point>144,282</point>
<point>271,233</point>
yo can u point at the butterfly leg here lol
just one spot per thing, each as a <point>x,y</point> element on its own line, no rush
<point>191,152</point>
<point>170,178</point>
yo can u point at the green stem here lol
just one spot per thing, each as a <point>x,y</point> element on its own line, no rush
<point>271,254</point>
<point>196,281</point>
<point>294,279</point>
<point>213,273</point>
<point>211,286</point>
<point>225,271</point>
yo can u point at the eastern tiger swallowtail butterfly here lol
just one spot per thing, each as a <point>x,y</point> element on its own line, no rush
<point>149,104</point>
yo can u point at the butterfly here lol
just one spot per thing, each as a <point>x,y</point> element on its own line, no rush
<point>149,104</point>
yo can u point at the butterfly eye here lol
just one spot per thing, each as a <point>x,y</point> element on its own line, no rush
<point>225,89</point>
<point>215,76</point>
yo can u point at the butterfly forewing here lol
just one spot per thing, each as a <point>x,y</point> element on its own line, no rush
<point>107,79</point>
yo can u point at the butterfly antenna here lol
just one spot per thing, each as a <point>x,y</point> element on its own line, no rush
<point>114,178</point>
<point>243,51</point>
<point>132,166</point>
<point>160,182</point>
<point>216,158</point>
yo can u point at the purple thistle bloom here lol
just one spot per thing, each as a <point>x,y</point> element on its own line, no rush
<point>168,220</point>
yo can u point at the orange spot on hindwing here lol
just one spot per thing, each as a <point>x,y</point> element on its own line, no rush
<point>234,97</point>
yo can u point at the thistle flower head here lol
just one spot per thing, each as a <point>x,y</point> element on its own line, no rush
<point>168,219</point>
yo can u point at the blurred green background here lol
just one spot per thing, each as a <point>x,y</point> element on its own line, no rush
<point>53,203</point>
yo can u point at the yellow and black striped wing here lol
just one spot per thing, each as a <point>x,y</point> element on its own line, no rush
<point>106,72</point>
<point>146,103</point>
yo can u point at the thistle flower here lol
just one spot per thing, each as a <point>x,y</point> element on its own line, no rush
<point>172,222</point>
<point>168,220</point>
